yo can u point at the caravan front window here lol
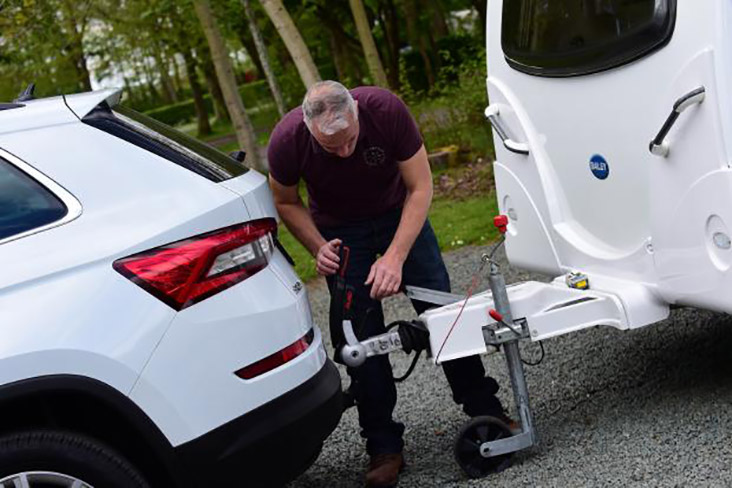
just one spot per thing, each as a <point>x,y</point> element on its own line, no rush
<point>577,37</point>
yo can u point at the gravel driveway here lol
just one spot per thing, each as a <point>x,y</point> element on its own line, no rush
<point>651,407</point>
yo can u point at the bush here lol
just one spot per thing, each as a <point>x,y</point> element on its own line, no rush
<point>457,51</point>
<point>453,113</point>
<point>253,94</point>
<point>178,113</point>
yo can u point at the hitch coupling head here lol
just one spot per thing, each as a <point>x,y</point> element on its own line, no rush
<point>408,337</point>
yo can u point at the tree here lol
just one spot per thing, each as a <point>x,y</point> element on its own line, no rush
<point>225,72</point>
<point>481,8</point>
<point>163,69</point>
<point>293,41</point>
<point>184,28</point>
<point>44,42</point>
<point>261,49</point>
<point>212,81</point>
<point>416,38</point>
<point>367,42</point>
<point>346,49</point>
<point>76,22</point>
<point>204,127</point>
<point>439,22</point>
<point>389,19</point>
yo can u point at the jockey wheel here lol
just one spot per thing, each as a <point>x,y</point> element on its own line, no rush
<point>471,451</point>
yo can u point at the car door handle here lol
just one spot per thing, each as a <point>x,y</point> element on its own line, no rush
<point>492,113</point>
<point>659,146</point>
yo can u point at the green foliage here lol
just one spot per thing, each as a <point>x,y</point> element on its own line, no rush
<point>253,94</point>
<point>178,113</point>
<point>453,113</point>
<point>458,52</point>
<point>41,42</point>
<point>412,72</point>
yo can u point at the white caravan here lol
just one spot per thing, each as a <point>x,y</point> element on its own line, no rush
<point>612,123</point>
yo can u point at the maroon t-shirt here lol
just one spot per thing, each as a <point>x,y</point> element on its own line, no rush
<point>364,185</point>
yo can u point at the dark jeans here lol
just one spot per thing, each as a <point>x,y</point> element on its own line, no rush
<point>373,383</point>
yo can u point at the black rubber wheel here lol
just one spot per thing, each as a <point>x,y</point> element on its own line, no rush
<point>467,446</point>
<point>56,458</point>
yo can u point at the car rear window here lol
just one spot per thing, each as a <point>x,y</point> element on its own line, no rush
<point>576,37</point>
<point>25,204</point>
<point>166,142</point>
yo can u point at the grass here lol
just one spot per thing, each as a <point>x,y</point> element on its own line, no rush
<point>457,223</point>
<point>460,223</point>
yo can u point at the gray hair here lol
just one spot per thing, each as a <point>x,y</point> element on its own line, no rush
<point>327,104</point>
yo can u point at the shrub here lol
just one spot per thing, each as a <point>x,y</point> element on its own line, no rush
<point>453,113</point>
<point>252,94</point>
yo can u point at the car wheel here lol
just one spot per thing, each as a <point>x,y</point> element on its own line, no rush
<point>54,458</point>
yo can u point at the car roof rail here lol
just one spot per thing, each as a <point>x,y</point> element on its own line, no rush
<point>26,94</point>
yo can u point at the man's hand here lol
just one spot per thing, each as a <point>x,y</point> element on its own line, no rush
<point>327,260</point>
<point>385,276</point>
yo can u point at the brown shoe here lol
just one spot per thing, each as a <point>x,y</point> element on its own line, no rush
<point>384,470</point>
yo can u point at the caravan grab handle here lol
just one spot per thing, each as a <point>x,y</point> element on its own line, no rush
<point>659,146</point>
<point>492,114</point>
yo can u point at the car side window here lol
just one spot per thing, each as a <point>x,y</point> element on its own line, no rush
<point>25,204</point>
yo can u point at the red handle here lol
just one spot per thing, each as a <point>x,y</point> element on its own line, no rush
<point>495,315</point>
<point>501,223</point>
<point>344,253</point>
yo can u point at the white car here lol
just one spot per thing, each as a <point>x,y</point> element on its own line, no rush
<point>152,331</point>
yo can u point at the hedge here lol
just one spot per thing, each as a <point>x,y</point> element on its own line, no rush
<point>252,94</point>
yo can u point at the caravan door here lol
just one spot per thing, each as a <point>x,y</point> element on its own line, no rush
<point>576,80</point>
<point>691,180</point>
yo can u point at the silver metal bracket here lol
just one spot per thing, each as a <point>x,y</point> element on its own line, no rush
<point>505,446</point>
<point>495,336</point>
<point>383,344</point>
<point>434,297</point>
<point>356,352</point>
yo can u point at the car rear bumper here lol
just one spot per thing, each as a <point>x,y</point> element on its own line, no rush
<point>272,444</point>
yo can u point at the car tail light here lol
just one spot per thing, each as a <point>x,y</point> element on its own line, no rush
<point>185,272</point>
<point>277,359</point>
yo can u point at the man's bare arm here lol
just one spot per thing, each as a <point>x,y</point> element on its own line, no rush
<point>386,273</point>
<point>417,178</point>
<point>298,220</point>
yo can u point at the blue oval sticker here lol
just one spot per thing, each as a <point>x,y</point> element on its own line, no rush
<point>599,167</point>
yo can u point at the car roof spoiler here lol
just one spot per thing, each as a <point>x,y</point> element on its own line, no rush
<point>83,103</point>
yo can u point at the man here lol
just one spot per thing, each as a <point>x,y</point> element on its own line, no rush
<point>369,187</point>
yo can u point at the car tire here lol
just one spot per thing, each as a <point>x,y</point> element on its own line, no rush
<point>63,455</point>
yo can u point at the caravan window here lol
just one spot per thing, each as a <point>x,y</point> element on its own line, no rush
<point>577,37</point>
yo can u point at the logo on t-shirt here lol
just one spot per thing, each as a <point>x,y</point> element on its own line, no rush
<point>374,156</point>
